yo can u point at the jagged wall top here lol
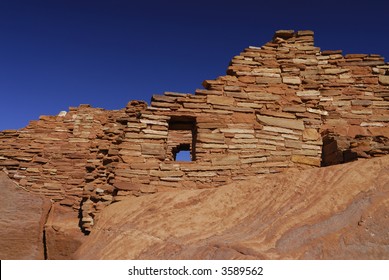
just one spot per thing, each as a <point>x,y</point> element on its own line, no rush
<point>301,36</point>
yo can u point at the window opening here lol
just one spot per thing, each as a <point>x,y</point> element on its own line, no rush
<point>183,155</point>
<point>182,139</point>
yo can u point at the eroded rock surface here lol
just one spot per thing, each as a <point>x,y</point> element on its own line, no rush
<point>22,220</point>
<point>337,212</point>
<point>63,233</point>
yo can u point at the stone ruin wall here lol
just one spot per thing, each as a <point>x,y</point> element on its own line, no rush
<point>284,105</point>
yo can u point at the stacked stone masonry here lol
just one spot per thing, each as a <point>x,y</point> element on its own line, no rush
<point>284,105</point>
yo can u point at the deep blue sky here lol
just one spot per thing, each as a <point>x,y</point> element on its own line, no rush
<point>60,53</point>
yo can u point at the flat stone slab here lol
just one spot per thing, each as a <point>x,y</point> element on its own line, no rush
<point>281,122</point>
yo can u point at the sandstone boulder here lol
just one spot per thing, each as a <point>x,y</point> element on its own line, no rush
<point>63,234</point>
<point>22,220</point>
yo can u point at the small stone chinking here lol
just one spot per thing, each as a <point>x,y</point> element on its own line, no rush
<point>284,105</point>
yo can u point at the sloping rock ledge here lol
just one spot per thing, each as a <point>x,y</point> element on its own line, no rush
<point>337,212</point>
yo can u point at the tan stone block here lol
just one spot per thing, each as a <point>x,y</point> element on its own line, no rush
<point>310,134</point>
<point>163,98</point>
<point>244,136</point>
<point>153,136</point>
<point>241,95</point>
<point>78,140</point>
<point>281,153</point>
<point>255,88</point>
<point>249,105</point>
<point>131,159</point>
<point>317,111</point>
<point>254,160</point>
<point>305,61</point>
<point>294,109</point>
<point>375,124</point>
<point>196,106</point>
<point>211,138</point>
<point>362,112</point>
<point>277,114</point>
<point>260,73</point>
<point>336,122</point>
<point>202,174</point>
<point>242,146</point>
<point>271,142</point>
<point>33,170</point>
<point>379,131</point>
<point>225,160</point>
<point>157,132</point>
<point>241,61</point>
<point>361,102</point>
<point>311,147</point>
<point>165,105</point>
<point>272,164</point>
<point>384,80</point>
<point>308,93</point>
<point>129,173</point>
<point>231,109</point>
<point>305,33</point>
<point>127,186</point>
<point>268,80</point>
<point>52,186</point>
<point>208,92</point>
<point>293,144</point>
<point>284,34</point>
<point>304,152</point>
<point>125,152</point>
<point>342,103</point>
<point>278,130</point>
<point>314,161</point>
<point>281,122</point>
<point>214,146</point>
<point>384,118</point>
<point>211,83</point>
<point>262,96</point>
<point>205,124</point>
<point>171,173</point>
<point>220,100</point>
<point>232,88</point>
<point>381,104</point>
<point>145,165</point>
<point>335,71</point>
<point>9,163</point>
<point>237,130</point>
<point>243,118</point>
<point>292,80</point>
<point>354,130</point>
<point>153,122</point>
<point>153,149</point>
<point>247,79</point>
<point>266,147</point>
<point>171,179</point>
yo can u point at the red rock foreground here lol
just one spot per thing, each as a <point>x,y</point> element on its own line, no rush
<point>22,220</point>
<point>337,212</point>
